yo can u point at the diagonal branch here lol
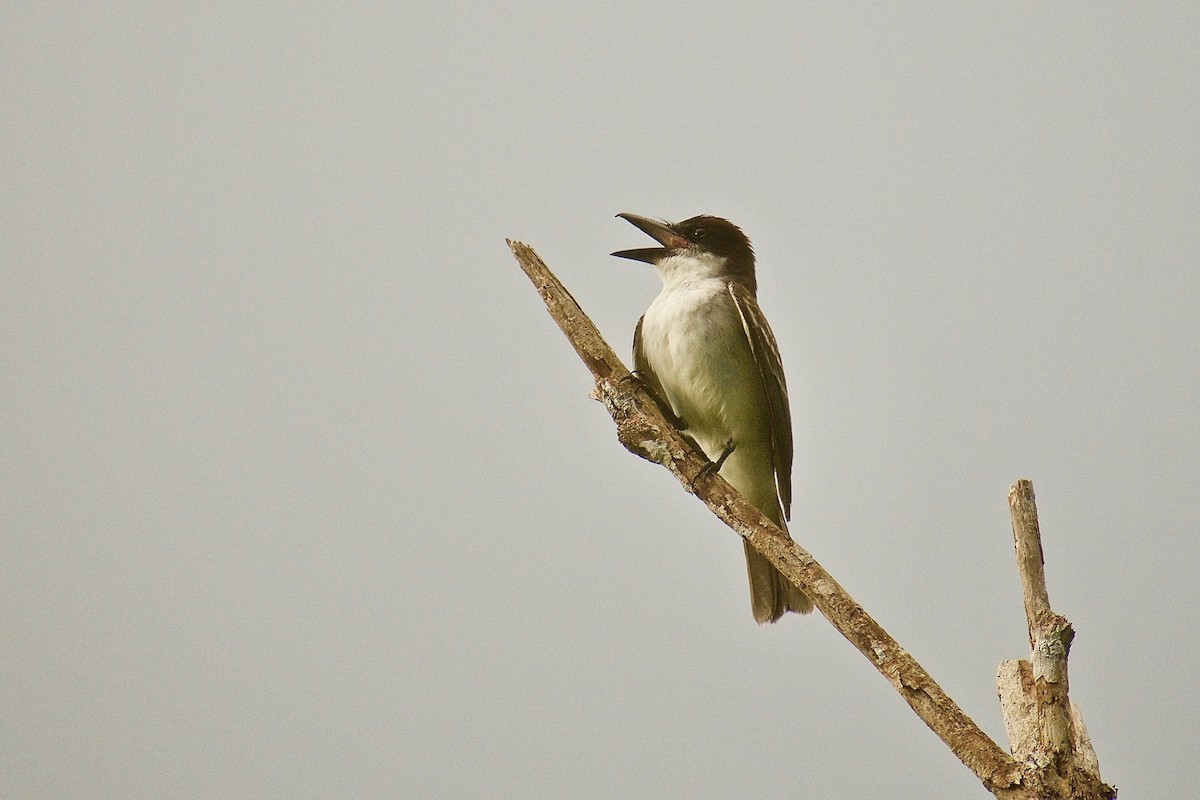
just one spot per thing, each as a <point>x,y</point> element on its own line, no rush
<point>643,429</point>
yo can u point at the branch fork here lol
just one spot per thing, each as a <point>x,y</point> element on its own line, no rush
<point>1045,729</point>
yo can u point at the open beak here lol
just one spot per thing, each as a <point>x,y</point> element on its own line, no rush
<point>659,231</point>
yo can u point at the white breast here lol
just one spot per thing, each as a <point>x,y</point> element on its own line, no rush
<point>693,341</point>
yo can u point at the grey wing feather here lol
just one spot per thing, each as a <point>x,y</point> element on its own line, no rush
<point>770,369</point>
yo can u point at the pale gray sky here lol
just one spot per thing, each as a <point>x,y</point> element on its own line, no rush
<point>302,493</point>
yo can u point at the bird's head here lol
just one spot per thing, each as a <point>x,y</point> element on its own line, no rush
<point>703,242</point>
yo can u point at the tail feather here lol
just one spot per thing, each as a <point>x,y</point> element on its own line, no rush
<point>771,594</point>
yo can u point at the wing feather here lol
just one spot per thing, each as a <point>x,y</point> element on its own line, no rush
<point>770,370</point>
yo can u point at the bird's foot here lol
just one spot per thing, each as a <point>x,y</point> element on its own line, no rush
<point>713,467</point>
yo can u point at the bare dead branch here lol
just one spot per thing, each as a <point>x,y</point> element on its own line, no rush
<point>643,429</point>
<point>1027,538</point>
<point>1045,729</point>
<point>1050,635</point>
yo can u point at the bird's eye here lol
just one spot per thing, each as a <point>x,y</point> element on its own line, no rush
<point>699,233</point>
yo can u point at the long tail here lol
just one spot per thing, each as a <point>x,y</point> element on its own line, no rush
<point>771,595</point>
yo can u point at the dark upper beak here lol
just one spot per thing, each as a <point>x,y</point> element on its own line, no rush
<point>661,233</point>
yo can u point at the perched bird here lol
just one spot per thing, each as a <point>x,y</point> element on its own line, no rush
<point>706,350</point>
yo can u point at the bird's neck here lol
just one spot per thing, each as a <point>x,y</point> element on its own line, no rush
<point>688,270</point>
<point>685,269</point>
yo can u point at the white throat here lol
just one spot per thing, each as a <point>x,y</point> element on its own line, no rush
<point>690,266</point>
